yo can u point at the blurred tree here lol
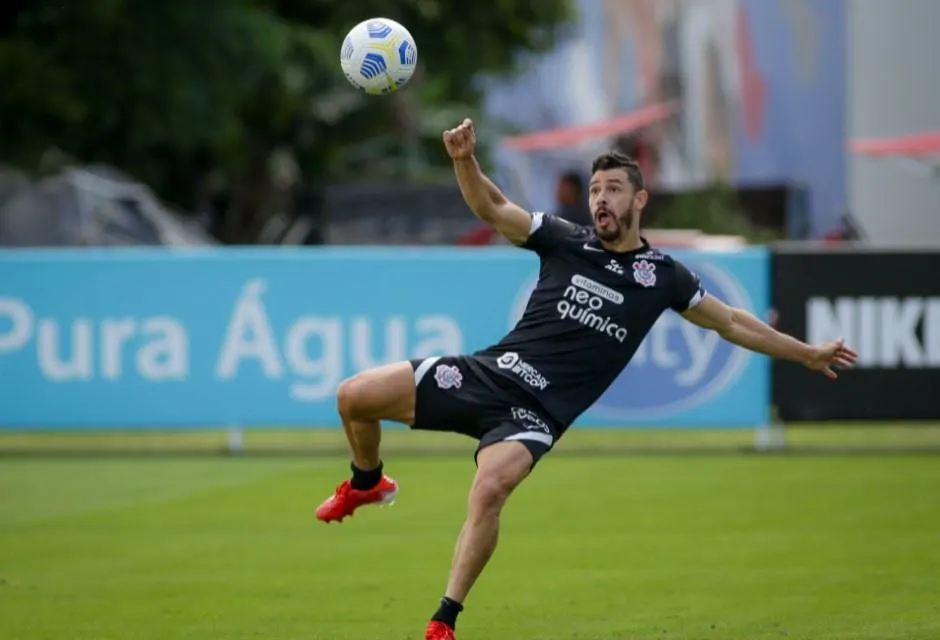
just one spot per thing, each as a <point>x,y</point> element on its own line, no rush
<point>239,95</point>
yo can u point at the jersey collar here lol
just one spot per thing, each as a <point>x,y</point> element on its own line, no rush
<point>643,248</point>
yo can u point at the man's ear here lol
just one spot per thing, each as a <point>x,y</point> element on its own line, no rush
<point>641,198</point>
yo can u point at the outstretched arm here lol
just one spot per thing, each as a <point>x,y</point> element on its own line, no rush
<point>482,196</point>
<point>742,328</point>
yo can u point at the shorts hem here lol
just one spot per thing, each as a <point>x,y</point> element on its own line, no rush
<point>537,449</point>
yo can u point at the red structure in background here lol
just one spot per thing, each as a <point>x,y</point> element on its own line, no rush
<point>918,145</point>
<point>918,150</point>
<point>481,236</point>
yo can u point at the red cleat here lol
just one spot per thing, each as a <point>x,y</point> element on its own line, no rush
<point>439,631</point>
<point>346,499</point>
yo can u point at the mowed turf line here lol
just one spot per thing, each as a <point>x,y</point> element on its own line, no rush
<point>717,548</point>
<point>884,437</point>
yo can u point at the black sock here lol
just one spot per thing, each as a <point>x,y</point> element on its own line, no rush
<point>365,479</point>
<point>447,613</point>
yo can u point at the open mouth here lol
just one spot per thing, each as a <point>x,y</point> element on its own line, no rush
<point>604,218</point>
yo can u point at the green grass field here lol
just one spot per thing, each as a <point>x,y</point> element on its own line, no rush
<point>890,437</point>
<point>703,547</point>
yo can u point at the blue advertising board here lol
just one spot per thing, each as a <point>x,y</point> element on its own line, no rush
<point>138,338</point>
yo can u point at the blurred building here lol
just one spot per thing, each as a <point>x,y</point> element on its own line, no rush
<point>758,86</point>
<point>893,92</point>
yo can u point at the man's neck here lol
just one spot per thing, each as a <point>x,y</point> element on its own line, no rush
<point>629,242</point>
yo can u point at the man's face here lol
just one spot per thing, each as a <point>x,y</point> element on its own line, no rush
<point>615,206</point>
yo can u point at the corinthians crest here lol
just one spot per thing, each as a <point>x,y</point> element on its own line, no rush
<point>448,376</point>
<point>644,272</point>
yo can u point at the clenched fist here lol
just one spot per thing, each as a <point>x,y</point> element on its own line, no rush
<point>460,140</point>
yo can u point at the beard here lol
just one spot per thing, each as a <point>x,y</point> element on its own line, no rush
<point>617,227</point>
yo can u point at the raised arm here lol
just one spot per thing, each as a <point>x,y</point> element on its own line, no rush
<point>482,196</point>
<point>742,328</point>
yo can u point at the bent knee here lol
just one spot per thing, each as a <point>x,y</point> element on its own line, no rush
<point>490,492</point>
<point>352,396</point>
<point>383,393</point>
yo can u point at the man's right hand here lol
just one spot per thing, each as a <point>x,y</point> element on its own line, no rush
<point>461,140</point>
<point>480,194</point>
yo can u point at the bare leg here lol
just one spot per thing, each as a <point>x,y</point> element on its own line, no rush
<point>384,393</point>
<point>364,439</point>
<point>501,467</point>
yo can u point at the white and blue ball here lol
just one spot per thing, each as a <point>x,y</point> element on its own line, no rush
<point>379,56</point>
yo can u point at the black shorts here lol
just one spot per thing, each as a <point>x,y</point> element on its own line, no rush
<point>457,394</point>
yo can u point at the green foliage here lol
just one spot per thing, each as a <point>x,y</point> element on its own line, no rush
<point>188,95</point>
<point>714,211</point>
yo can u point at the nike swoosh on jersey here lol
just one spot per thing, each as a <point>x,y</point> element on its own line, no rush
<point>590,248</point>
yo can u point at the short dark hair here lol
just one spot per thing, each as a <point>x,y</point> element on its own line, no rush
<point>617,160</point>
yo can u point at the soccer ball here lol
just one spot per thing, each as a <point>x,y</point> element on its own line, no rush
<point>378,56</point>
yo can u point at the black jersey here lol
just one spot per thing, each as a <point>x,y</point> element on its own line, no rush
<point>587,316</point>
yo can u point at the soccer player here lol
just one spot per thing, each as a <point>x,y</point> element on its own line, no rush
<point>600,290</point>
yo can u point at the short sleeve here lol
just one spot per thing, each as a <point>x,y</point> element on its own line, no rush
<point>688,291</point>
<point>547,232</point>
